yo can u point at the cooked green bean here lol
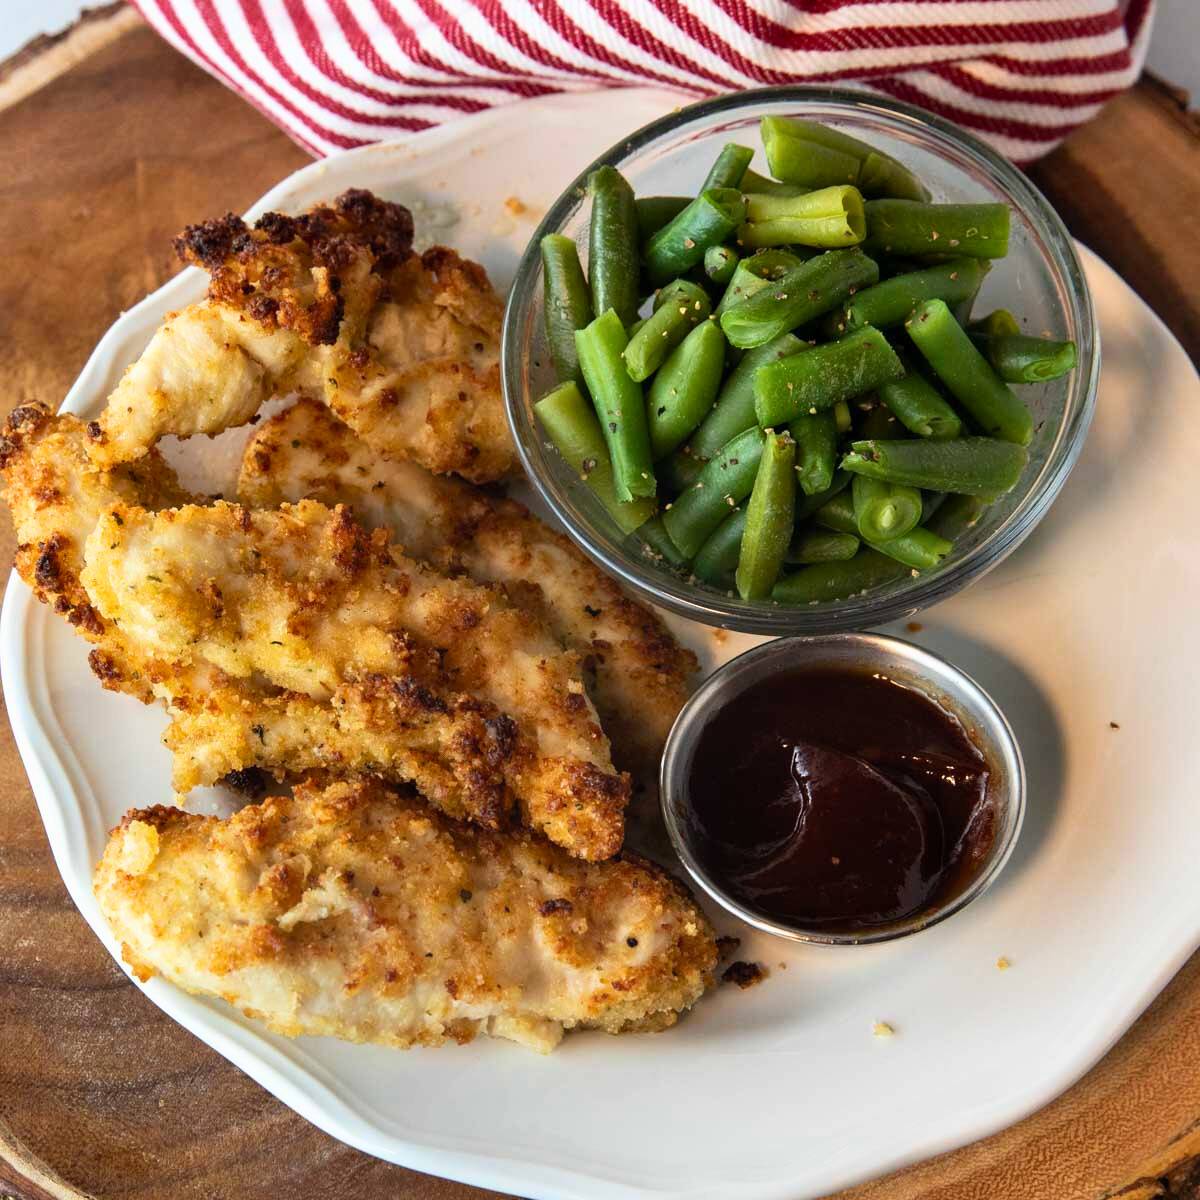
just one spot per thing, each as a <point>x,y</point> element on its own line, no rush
<point>881,175</point>
<point>685,387</point>
<point>755,273</point>
<point>947,348</point>
<point>1018,358</point>
<point>769,517</point>
<point>820,377</point>
<point>912,227</point>
<point>977,466</point>
<point>830,217</point>
<point>733,412</point>
<point>919,548</point>
<point>805,292</point>
<point>822,545</point>
<point>657,544</point>
<point>931,502</point>
<point>679,309</point>
<point>801,160</point>
<point>653,212</point>
<point>620,404</point>
<point>807,505</point>
<point>568,303</point>
<point>815,435</point>
<point>571,424</point>
<point>722,483</point>
<point>730,167</point>
<point>717,559</point>
<point>679,245</point>
<point>837,513</point>
<point>998,323</point>
<point>891,301</point>
<point>917,404</point>
<point>958,515</point>
<point>720,262</point>
<point>841,416</point>
<point>876,422</point>
<point>838,580</point>
<point>613,267</point>
<point>753,182</point>
<point>884,510</point>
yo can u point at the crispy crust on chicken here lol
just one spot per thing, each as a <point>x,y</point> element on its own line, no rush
<point>305,599</point>
<point>356,912</point>
<point>332,304</point>
<point>639,675</point>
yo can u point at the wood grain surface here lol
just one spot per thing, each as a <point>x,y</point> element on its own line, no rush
<point>103,1096</point>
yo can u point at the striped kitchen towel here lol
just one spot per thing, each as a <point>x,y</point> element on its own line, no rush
<point>340,73</point>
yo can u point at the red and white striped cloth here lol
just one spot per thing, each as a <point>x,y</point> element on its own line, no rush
<point>340,73</point>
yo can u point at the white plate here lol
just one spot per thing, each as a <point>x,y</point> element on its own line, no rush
<point>781,1091</point>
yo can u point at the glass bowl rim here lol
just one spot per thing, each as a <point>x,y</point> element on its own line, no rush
<point>1002,749</point>
<point>706,605</point>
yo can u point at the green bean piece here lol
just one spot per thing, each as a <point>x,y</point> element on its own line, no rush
<point>822,545</point>
<point>806,506</point>
<point>717,559</point>
<point>868,569</point>
<point>999,323</point>
<point>841,416</point>
<point>1019,358</point>
<point>807,291</point>
<point>769,517</point>
<point>820,135</point>
<point>947,347</point>
<point>957,516</point>
<point>837,513</point>
<point>827,218</point>
<point>754,183</point>
<point>620,405</point>
<point>722,483</point>
<point>677,470</point>
<point>657,544</point>
<point>797,159</point>
<point>613,267</point>
<point>679,308</point>
<point>884,510</point>
<point>919,549</point>
<point>733,412</point>
<point>930,503</point>
<point>653,212</point>
<point>755,273</point>
<point>571,424</point>
<point>978,466</point>
<point>922,410</point>
<point>815,435</point>
<point>678,246</point>
<point>568,303</point>
<point>911,227</point>
<point>817,379</point>
<point>684,388</point>
<point>882,175</point>
<point>729,168</point>
<point>892,301</point>
<point>720,262</point>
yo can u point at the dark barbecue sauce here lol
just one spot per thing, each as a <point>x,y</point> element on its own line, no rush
<point>839,800</point>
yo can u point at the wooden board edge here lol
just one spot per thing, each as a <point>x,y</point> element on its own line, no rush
<point>24,1176</point>
<point>50,55</point>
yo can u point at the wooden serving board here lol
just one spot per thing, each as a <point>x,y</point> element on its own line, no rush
<point>109,143</point>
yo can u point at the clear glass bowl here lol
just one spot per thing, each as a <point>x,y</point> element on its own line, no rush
<point>1041,281</point>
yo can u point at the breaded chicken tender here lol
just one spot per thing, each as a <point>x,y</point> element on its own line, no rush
<point>307,600</point>
<point>639,674</point>
<point>331,304</point>
<point>355,912</point>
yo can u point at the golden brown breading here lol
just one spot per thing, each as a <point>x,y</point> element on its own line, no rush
<point>357,913</point>
<point>304,598</point>
<point>639,674</point>
<point>334,305</point>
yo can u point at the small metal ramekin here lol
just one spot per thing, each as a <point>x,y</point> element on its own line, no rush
<point>946,685</point>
